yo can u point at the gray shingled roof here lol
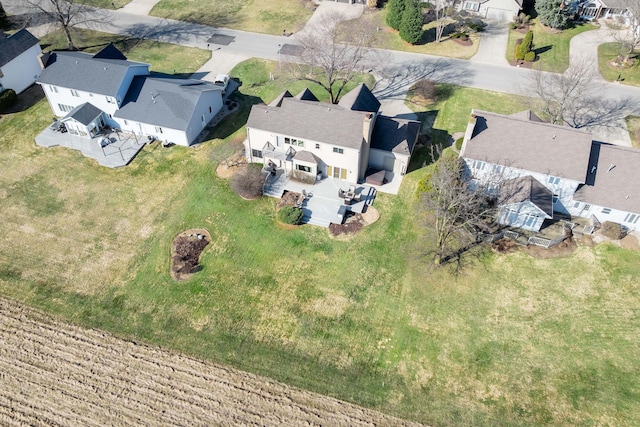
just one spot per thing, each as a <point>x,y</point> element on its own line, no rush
<point>306,95</point>
<point>82,71</point>
<point>614,182</point>
<point>276,102</point>
<point>163,101</point>
<point>394,134</point>
<point>527,188</point>
<point>615,4</point>
<point>529,145</point>
<point>15,45</point>
<point>306,156</point>
<point>84,113</point>
<point>361,99</point>
<point>316,121</point>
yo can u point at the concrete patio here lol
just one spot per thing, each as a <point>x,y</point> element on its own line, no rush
<point>121,148</point>
<point>322,206</point>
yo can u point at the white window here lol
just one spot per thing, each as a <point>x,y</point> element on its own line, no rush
<point>158,129</point>
<point>477,164</point>
<point>631,218</point>
<point>469,5</point>
<point>554,180</point>
<point>497,169</point>
<point>317,146</point>
<point>303,168</point>
<point>110,100</point>
<point>65,108</point>
<point>338,150</point>
<point>53,89</point>
<point>606,210</point>
<point>256,153</point>
<point>293,141</point>
<point>74,92</point>
<point>203,118</point>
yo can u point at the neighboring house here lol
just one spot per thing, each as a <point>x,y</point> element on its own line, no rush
<point>597,9</point>
<point>19,64</point>
<point>540,169</point>
<point>349,141</point>
<point>91,92</point>
<point>499,10</point>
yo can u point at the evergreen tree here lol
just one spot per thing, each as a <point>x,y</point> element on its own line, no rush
<point>395,13</point>
<point>411,25</point>
<point>4,21</point>
<point>552,13</point>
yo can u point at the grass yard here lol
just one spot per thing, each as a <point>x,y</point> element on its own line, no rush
<point>267,16</point>
<point>387,38</point>
<point>512,340</point>
<point>163,57</point>
<point>607,52</point>
<point>633,125</point>
<point>551,49</point>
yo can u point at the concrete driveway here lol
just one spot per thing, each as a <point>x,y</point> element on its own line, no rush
<point>326,8</point>
<point>493,44</point>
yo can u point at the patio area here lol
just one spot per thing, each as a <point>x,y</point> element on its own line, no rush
<point>322,206</point>
<point>110,149</point>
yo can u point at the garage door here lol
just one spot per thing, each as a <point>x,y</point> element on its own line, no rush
<point>499,14</point>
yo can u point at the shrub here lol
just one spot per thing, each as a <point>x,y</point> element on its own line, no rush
<point>290,215</point>
<point>8,98</point>
<point>411,24</point>
<point>395,12</point>
<point>512,26</point>
<point>248,182</point>
<point>425,91</point>
<point>530,56</point>
<point>612,230</point>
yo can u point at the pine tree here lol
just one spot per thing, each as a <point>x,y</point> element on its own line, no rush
<point>395,13</point>
<point>552,13</point>
<point>4,21</point>
<point>411,25</point>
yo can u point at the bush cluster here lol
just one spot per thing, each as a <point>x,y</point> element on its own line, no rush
<point>406,17</point>
<point>290,215</point>
<point>524,50</point>
<point>8,98</point>
<point>248,182</point>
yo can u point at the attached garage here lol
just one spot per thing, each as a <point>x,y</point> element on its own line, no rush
<point>495,14</point>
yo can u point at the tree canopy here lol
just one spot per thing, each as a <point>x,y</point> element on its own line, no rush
<point>552,13</point>
<point>411,25</point>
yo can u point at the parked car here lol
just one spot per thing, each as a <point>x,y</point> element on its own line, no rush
<point>222,80</point>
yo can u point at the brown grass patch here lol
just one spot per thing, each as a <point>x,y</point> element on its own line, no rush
<point>561,250</point>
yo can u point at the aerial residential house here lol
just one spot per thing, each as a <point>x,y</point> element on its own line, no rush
<point>540,170</point>
<point>19,65</point>
<point>602,9</point>
<point>499,10</point>
<point>106,90</point>
<point>348,141</point>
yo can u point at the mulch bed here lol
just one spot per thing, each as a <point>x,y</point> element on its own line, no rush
<point>463,41</point>
<point>352,225</point>
<point>185,252</point>
<point>561,250</point>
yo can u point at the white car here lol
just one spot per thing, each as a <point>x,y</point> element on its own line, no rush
<point>222,80</point>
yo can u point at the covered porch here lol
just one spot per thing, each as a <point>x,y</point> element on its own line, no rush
<point>111,148</point>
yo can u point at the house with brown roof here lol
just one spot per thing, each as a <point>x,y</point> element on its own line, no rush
<point>540,169</point>
<point>349,141</point>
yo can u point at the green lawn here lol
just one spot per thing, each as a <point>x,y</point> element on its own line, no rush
<point>387,38</point>
<point>633,125</point>
<point>266,16</point>
<point>608,52</point>
<point>552,49</point>
<point>163,57</point>
<point>512,340</point>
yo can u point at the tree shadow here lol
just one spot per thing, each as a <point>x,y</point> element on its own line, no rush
<point>236,120</point>
<point>27,99</point>
<point>542,50</point>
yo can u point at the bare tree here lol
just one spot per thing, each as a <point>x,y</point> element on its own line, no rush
<point>574,97</point>
<point>65,14</point>
<point>455,211</point>
<point>627,32</point>
<point>248,182</point>
<point>444,10</point>
<point>333,54</point>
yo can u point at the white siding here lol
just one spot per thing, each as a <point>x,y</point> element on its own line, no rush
<point>209,101</point>
<point>22,71</point>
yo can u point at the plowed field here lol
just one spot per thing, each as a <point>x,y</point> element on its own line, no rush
<point>55,374</point>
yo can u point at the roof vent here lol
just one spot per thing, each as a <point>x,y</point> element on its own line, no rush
<point>76,61</point>
<point>611,166</point>
<point>554,136</point>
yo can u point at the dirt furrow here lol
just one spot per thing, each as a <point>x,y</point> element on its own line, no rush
<point>53,373</point>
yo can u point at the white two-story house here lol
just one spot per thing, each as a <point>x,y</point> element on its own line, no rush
<point>348,141</point>
<point>90,92</point>
<point>539,169</point>
<point>19,64</point>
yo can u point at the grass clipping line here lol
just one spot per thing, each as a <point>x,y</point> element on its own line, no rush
<point>62,374</point>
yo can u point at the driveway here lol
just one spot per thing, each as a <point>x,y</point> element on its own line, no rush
<point>327,8</point>
<point>493,44</point>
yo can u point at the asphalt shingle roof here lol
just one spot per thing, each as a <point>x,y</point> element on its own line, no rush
<point>86,72</point>
<point>361,99</point>
<point>529,145</point>
<point>84,113</point>
<point>161,100</point>
<point>15,45</point>
<point>394,134</point>
<point>316,121</point>
<point>614,181</point>
<point>527,188</point>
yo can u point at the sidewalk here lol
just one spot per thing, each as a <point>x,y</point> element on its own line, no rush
<point>139,7</point>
